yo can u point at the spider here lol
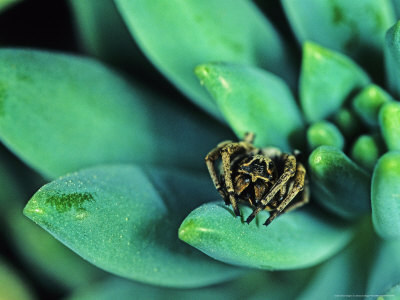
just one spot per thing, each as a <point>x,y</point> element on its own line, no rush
<point>263,178</point>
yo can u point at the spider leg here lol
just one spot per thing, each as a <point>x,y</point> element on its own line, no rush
<point>226,153</point>
<point>298,186</point>
<point>305,198</point>
<point>288,172</point>
<point>210,159</point>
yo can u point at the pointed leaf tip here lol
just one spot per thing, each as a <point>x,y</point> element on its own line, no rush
<point>124,219</point>
<point>327,78</point>
<point>295,240</point>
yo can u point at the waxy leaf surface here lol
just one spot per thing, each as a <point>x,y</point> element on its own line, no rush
<point>355,28</point>
<point>198,32</point>
<point>366,151</point>
<point>385,273</point>
<point>255,285</point>
<point>253,100</point>
<point>103,33</point>
<point>61,113</point>
<point>298,239</point>
<point>327,78</point>
<point>347,272</point>
<point>338,183</point>
<point>125,220</point>
<point>368,102</point>
<point>324,133</point>
<point>389,120</point>
<point>392,59</point>
<point>385,196</point>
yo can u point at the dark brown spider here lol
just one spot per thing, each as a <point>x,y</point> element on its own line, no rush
<point>263,178</point>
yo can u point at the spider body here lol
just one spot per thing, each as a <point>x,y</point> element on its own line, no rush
<point>265,179</point>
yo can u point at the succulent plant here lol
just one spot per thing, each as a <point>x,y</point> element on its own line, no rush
<point>119,151</point>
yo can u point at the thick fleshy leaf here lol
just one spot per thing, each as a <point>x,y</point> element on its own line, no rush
<point>356,28</point>
<point>366,151</point>
<point>125,219</point>
<point>253,286</point>
<point>338,183</point>
<point>324,133</point>
<point>347,272</point>
<point>49,260</point>
<point>368,102</point>
<point>348,123</point>
<point>385,274</point>
<point>385,196</point>
<point>298,239</point>
<point>327,78</point>
<point>253,100</point>
<point>392,59</point>
<point>12,287</point>
<point>389,120</point>
<point>103,32</point>
<point>179,35</point>
<point>61,113</point>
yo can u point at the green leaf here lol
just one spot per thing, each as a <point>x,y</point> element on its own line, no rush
<point>179,35</point>
<point>356,28</point>
<point>366,151</point>
<point>103,33</point>
<point>297,239</point>
<point>252,286</point>
<point>61,113</point>
<point>324,133</point>
<point>253,100</point>
<point>389,120</point>
<point>347,122</point>
<point>347,272</point>
<point>368,102</point>
<point>385,196</point>
<point>385,274</point>
<point>338,183</point>
<point>392,59</point>
<point>327,78</point>
<point>49,260</point>
<point>12,287</point>
<point>124,219</point>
